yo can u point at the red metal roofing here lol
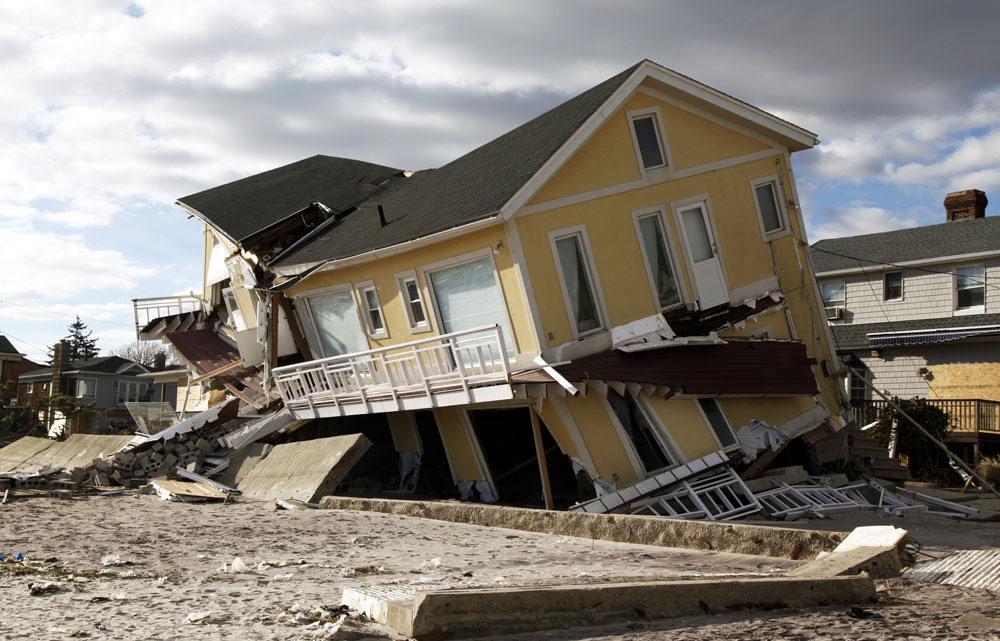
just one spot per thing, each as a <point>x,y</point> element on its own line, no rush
<point>203,349</point>
<point>757,368</point>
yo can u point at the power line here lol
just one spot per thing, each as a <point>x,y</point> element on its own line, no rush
<point>52,311</point>
<point>21,340</point>
<point>883,263</point>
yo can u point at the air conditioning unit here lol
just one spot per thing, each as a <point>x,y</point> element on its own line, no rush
<point>834,313</point>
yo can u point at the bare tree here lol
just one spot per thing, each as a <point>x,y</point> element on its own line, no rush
<point>142,352</point>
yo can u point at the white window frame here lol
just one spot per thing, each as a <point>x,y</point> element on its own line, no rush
<point>902,287</point>
<point>401,279</point>
<point>456,261</point>
<point>140,389</point>
<point>829,304</point>
<point>966,311</point>
<point>775,182</point>
<point>639,114</point>
<point>668,237</point>
<point>708,424</point>
<point>239,323</point>
<point>360,291</point>
<point>307,320</point>
<point>660,433</point>
<point>93,387</point>
<point>580,231</point>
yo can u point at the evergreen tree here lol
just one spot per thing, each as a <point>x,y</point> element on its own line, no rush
<point>81,345</point>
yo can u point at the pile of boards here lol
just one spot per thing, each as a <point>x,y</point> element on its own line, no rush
<point>212,455</point>
<point>708,488</point>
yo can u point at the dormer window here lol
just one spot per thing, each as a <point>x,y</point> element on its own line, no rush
<point>647,134</point>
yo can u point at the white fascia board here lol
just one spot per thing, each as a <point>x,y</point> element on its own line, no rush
<point>937,260</point>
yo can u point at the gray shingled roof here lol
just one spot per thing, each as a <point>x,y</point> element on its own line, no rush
<point>918,243</point>
<point>99,365</point>
<point>250,204</point>
<point>852,337</point>
<point>6,347</point>
<point>470,188</point>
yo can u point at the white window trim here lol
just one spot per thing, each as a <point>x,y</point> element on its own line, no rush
<point>902,287</point>
<point>833,303</point>
<point>456,261</point>
<point>138,385</point>
<point>966,311</point>
<point>239,321</point>
<point>312,333</point>
<point>776,189</point>
<point>638,114</point>
<point>595,282</point>
<point>668,236</point>
<point>708,424</point>
<point>93,387</point>
<point>427,325</point>
<point>360,289</point>
<point>660,433</point>
<point>702,201</point>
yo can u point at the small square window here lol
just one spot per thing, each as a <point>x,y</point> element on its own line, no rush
<point>892,286</point>
<point>649,141</point>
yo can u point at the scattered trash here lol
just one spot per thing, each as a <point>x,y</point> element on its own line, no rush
<point>207,617</point>
<point>17,557</point>
<point>113,560</point>
<point>238,566</point>
<point>40,589</point>
<point>860,613</point>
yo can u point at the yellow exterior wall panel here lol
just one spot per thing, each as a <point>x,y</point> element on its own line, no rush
<point>550,417</point>
<point>773,411</point>
<point>602,439</point>
<point>461,455</point>
<point>686,425</point>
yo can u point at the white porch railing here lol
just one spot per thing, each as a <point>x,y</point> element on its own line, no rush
<point>406,376</point>
<point>149,309</point>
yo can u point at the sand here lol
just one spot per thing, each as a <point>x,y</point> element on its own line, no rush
<point>135,567</point>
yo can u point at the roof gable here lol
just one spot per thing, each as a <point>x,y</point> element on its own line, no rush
<point>6,347</point>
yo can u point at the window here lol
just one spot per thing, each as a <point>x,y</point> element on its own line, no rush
<point>132,392</point>
<point>86,388</point>
<point>235,315</point>
<point>648,444</point>
<point>648,139</point>
<point>857,389</point>
<point>892,286</point>
<point>970,288</point>
<point>577,282</point>
<point>769,210</point>
<point>373,311</point>
<point>659,264</point>
<point>718,422</point>
<point>467,296</point>
<point>414,302</point>
<point>834,293</point>
<point>335,319</point>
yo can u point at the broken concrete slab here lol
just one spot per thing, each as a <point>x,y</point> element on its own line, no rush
<point>441,614</point>
<point>306,470</point>
<point>874,549</point>
<point>14,456</point>
<point>78,450</point>
<point>186,491</point>
<point>241,462</point>
<point>740,538</point>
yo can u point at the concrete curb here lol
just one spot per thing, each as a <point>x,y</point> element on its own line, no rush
<point>760,540</point>
<point>446,614</point>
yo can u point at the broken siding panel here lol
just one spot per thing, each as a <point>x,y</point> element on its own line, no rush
<point>602,439</point>
<point>686,425</point>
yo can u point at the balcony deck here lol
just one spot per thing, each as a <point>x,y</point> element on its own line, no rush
<point>174,313</point>
<point>469,366</point>
<point>966,416</point>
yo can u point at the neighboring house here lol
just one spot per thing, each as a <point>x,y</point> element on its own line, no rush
<point>10,361</point>
<point>917,311</point>
<point>644,238</point>
<point>105,383</point>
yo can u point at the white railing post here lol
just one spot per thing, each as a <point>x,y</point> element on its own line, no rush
<point>503,352</point>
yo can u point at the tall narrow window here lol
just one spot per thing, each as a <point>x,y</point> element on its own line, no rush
<point>658,260</point>
<point>892,286</point>
<point>414,302</point>
<point>578,284</point>
<point>858,389</point>
<point>233,306</point>
<point>648,141</point>
<point>717,421</point>
<point>772,219</point>
<point>373,310</point>
<point>970,287</point>
<point>648,444</point>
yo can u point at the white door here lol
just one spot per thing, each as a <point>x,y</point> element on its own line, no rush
<point>703,255</point>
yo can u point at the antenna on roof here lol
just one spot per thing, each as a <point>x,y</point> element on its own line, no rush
<point>381,215</point>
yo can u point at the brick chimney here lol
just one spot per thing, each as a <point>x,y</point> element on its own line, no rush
<point>60,364</point>
<point>965,205</point>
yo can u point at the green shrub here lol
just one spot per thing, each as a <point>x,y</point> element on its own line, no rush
<point>923,455</point>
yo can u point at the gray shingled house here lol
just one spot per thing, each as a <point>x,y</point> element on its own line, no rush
<point>918,312</point>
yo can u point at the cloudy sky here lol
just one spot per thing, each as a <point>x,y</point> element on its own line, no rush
<point>110,110</point>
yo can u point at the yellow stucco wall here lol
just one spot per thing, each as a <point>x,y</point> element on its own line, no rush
<point>686,426</point>
<point>554,423</point>
<point>383,272</point>
<point>773,411</point>
<point>404,432</point>
<point>457,442</point>
<point>601,438</point>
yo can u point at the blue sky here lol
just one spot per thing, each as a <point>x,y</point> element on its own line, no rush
<point>111,110</point>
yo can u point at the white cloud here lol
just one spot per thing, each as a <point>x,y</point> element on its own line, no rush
<point>857,220</point>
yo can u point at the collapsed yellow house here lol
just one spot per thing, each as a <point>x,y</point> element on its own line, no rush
<point>609,290</point>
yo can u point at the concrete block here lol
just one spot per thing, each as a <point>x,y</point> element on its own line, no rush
<point>879,562</point>
<point>442,614</point>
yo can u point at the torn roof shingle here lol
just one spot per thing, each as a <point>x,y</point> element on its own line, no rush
<point>903,245</point>
<point>471,188</point>
<point>246,206</point>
